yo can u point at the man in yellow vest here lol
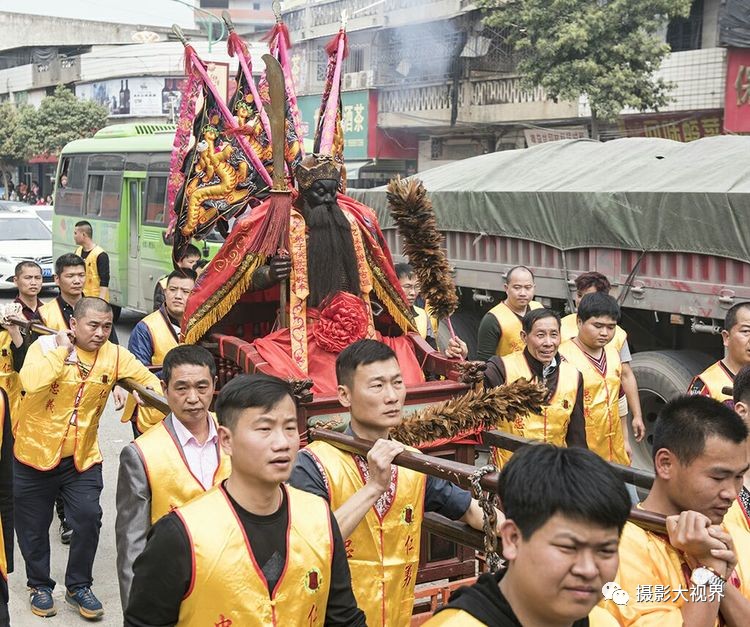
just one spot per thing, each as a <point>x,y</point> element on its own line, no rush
<point>565,510</point>
<point>190,257</point>
<point>171,463</point>
<point>6,505</point>
<point>589,283</point>
<point>594,354</point>
<point>95,258</point>
<point>70,276</point>
<point>561,421</point>
<point>500,329</point>
<point>379,507</point>
<point>28,279</point>
<point>251,552</point>
<point>738,517</point>
<point>426,324</point>
<point>697,574</point>
<point>736,337</point>
<point>66,378</point>
<point>154,336</point>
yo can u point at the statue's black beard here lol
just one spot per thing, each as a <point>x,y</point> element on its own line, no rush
<point>331,262</point>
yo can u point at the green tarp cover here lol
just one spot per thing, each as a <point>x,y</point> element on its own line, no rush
<point>635,193</point>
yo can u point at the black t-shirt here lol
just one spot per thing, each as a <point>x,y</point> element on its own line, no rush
<point>485,602</point>
<point>102,266</point>
<point>162,573</point>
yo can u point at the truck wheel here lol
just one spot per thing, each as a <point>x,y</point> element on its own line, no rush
<point>661,376</point>
<point>466,326</point>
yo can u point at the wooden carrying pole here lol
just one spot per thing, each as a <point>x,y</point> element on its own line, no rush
<point>459,473</point>
<point>154,399</point>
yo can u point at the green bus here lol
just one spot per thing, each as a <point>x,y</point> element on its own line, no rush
<point>117,180</point>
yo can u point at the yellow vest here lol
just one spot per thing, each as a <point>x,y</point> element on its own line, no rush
<point>170,479</point>
<point>9,380</point>
<point>569,330</point>
<point>383,553</point>
<point>737,518</point>
<point>3,560</point>
<point>93,280</point>
<point>162,341</point>
<point>452,617</point>
<point>45,416</point>
<point>648,560</point>
<point>510,327</point>
<point>600,402</point>
<point>52,316</point>
<point>421,320</point>
<point>552,424</point>
<point>715,377</point>
<point>227,583</point>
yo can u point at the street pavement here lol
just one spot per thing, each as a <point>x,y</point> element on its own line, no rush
<point>113,435</point>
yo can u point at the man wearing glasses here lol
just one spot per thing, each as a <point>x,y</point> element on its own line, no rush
<point>154,336</point>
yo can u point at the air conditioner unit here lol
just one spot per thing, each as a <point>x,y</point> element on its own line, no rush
<point>351,80</point>
<point>365,79</point>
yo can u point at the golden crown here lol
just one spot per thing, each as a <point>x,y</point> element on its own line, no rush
<point>316,167</point>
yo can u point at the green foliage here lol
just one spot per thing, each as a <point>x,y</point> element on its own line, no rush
<point>60,119</point>
<point>606,49</point>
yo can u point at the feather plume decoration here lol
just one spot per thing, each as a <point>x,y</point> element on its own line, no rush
<point>413,214</point>
<point>475,411</point>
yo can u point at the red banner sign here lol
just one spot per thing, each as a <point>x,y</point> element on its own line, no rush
<point>737,93</point>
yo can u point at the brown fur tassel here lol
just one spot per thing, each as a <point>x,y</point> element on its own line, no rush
<point>475,411</point>
<point>423,244</point>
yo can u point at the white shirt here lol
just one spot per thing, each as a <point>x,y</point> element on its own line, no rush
<point>202,459</point>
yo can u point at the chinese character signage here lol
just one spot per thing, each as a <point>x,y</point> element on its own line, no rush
<point>680,128</point>
<point>737,92</point>
<point>355,121</point>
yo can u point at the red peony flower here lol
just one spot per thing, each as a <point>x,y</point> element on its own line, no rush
<point>342,321</point>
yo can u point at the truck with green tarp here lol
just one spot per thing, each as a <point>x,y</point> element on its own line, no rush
<point>666,222</point>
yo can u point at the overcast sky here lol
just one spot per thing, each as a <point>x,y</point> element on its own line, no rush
<point>146,12</point>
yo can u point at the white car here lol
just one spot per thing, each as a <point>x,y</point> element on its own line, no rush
<point>23,236</point>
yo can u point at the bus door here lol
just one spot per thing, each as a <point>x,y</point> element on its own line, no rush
<point>133,186</point>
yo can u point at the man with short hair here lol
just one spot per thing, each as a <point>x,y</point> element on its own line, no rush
<point>175,461</point>
<point>154,336</point>
<point>588,283</point>
<point>379,507</point>
<point>95,258</point>
<point>500,329</point>
<point>736,337</point>
<point>700,457</point>
<point>28,279</point>
<point>190,257</point>
<point>70,276</point>
<point>66,378</point>
<point>426,325</point>
<point>738,516</point>
<point>252,551</point>
<point>561,421</point>
<point>565,510</point>
<point>594,354</point>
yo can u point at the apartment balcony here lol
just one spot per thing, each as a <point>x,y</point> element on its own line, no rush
<point>480,101</point>
<point>308,19</point>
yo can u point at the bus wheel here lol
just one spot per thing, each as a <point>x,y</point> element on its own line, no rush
<point>661,376</point>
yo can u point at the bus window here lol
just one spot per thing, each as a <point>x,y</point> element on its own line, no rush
<point>155,213</point>
<point>69,199</point>
<point>103,196</point>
